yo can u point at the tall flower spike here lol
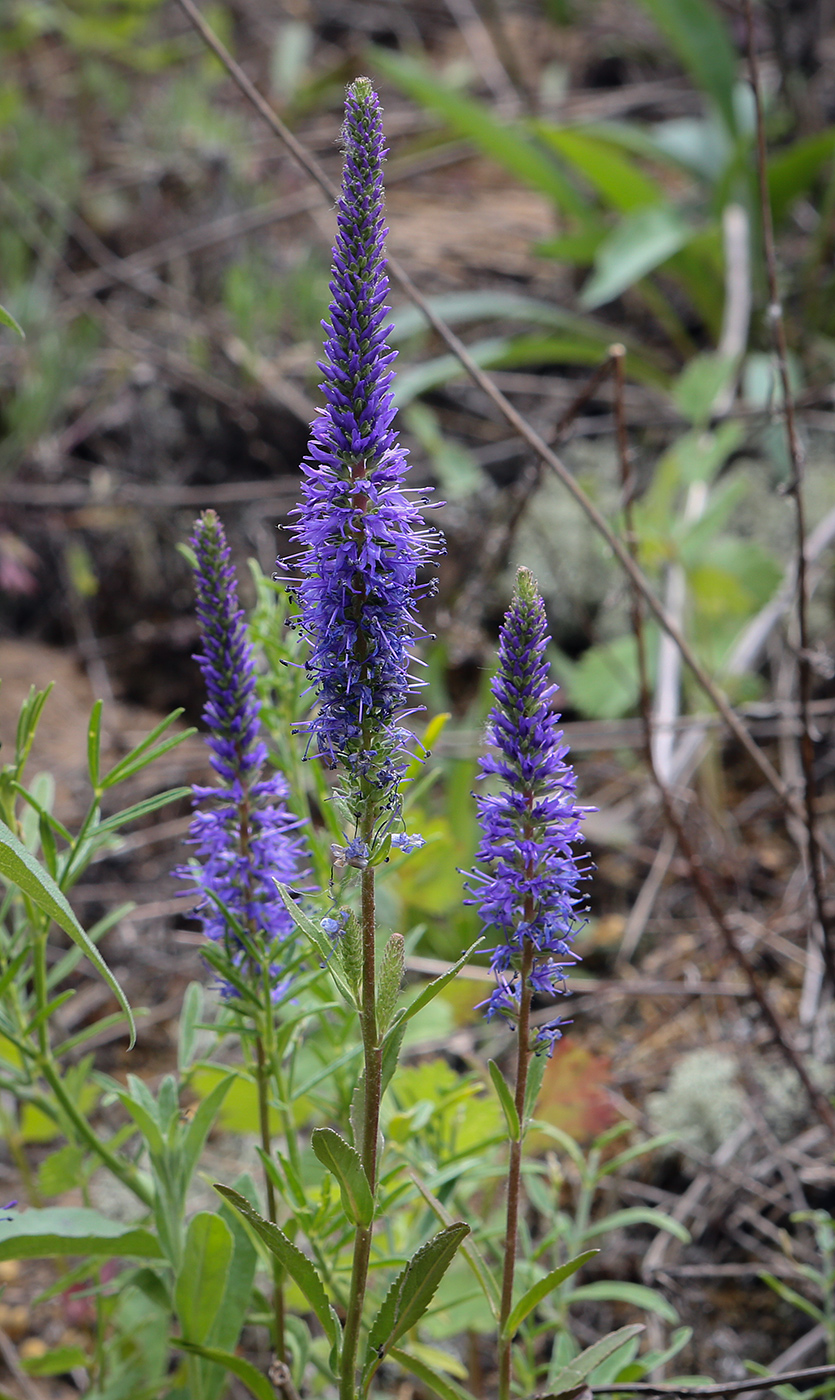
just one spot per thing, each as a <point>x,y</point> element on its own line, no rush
<point>527,890</point>
<point>361,533</point>
<point>243,833</point>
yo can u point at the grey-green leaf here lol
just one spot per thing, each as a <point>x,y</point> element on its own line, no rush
<point>20,868</point>
<point>573,1375</point>
<point>616,1291</point>
<point>298,1266</point>
<point>57,1230</point>
<point>640,243</point>
<point>7,319</point>
<point>413,1291</point>
<point>443,1386</point>
<point>341,1159</point>
<point>202,1276</point>
<point>540,1290</point>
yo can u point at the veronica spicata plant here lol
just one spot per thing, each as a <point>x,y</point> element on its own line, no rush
<point>526,887</point>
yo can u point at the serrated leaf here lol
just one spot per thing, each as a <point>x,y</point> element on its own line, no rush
<point>344,1161</point>
<point>55,1230</point>
<point>542,1288</point>
<point>202,1276</point>
<point>573,1375</point>
<point>511,1115</point>
<point>298,1266</point>
<point>238,1365</point>
<point>19,867</point>
<point>413,1291</point>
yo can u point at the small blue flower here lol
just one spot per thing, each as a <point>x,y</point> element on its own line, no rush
<point>526,884</point>
<point>406,842</point>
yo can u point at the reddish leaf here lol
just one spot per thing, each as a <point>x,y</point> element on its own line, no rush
<point>573,1095</point>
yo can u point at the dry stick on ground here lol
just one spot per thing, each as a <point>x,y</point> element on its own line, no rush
<point>816,1373</point>
<point>795,490</point>
<point>522,427</point>
<point>698,875</point>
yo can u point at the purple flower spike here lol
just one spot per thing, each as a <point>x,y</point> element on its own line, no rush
<point>361,533</point>
<point>243,833</point>
<point>527,890</point>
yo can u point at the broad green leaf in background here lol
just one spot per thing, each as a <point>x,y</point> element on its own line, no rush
<point>344,1161</point>
<point>19,867</point>
<point>617,1291</point>
<point>55,1230</point>
<point>443,1386</point>
<point>640,243</point>
<point>575,1373</point>
<point>507,145</point>
<point>619,181</point>
<point>202,1276</point>
<point>542,1288</point>
<point>697,34</point>
<point>58,1361</point>
<point>696,389</point>
<point>792,171</point>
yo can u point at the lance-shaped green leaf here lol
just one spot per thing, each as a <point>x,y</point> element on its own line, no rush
<point>19,867</point>
<point>297,1264</point>
<point>56,1230</point>
<point>320,941</point>
<point>341,1159</point>
<point>469,1249</point>
<point>573,1375</point>
<point>257,1384</point>
<point>622,1291</point>
<point>443,1386</point>
<point>412,1292</point>
<point>7,319</point>
<point>202,1277</point>
<point>540,1290</point>
<point>511,1115</point>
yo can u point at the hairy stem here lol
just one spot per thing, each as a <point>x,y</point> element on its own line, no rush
<point>514,1174</point>
<point>372,1057</point>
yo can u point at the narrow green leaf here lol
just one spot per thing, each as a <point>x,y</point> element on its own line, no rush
<point>511,1116</point>
<point>94,745</point>
<point>142,809</point>
<point>443,1386</point>
<point>202,1276</point>
<point>144,752</point>
<point>257,1384</point>
<point>297,1264</point>
<point>191,1014</point>
<point>20,868</point>
<point>201,1124</point>
<point>320,941</point>
<point>790,1295</point>
<point>638,1215</point>
<point>341,1159</point>
<point>619,180</point>
<point>7,319</point>
<point>536,1073</point>
<point>55,1230</point>
<point>431,990</point>
<point>55,1362</point>
<point>507,145</point>
<point>412,1292</point>
<point>700,40</point>
<point>573,1375</point>
<point>540,1290</point>
<point>615,1291</point>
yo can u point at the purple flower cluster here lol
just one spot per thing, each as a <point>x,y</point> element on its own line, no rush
<point>243,833</point>
<point>361,533</point>
<point>527,891</point>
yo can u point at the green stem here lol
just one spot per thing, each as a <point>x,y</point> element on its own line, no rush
<point>373,1062</point>
<point>262,1076</point>
<point>514,1174</point>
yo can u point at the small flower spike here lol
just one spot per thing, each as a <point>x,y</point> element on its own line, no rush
<point>360,530</point>
<point>244,836</point>
<point>526,885</point>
